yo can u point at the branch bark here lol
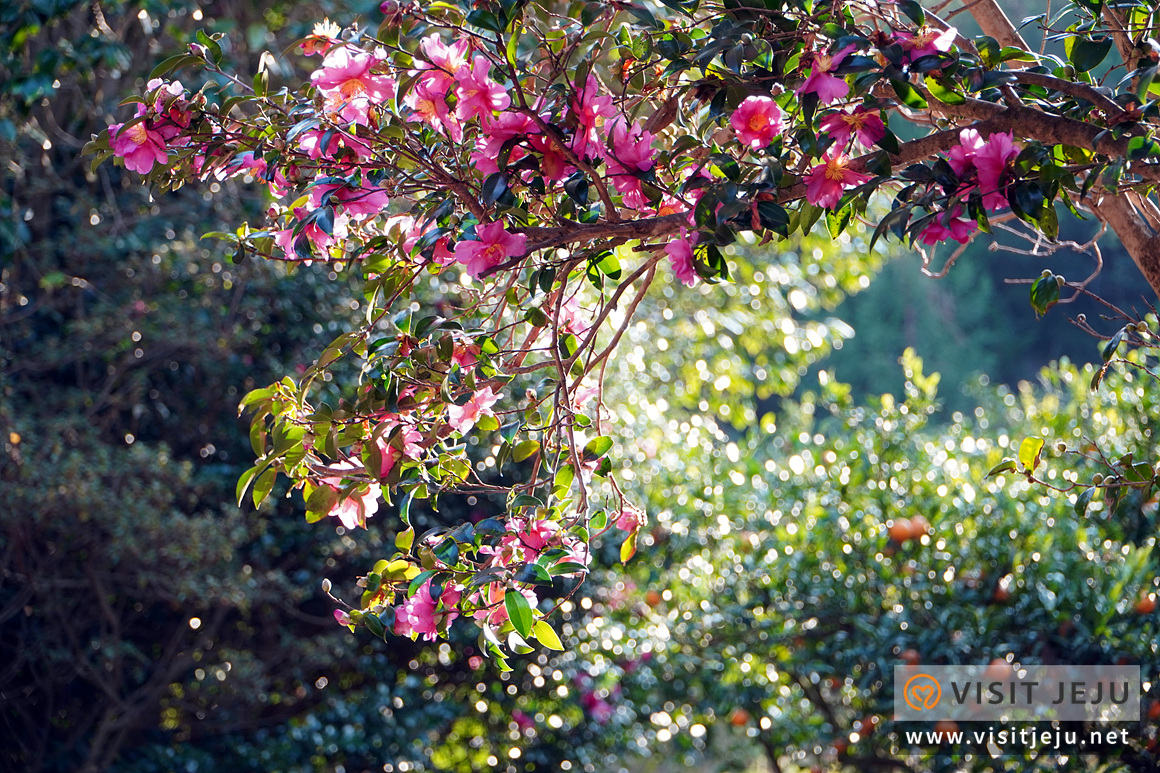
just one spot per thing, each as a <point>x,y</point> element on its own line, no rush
<point>1117,211</point>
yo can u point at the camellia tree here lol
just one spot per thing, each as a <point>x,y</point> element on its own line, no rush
<point>511,180</point>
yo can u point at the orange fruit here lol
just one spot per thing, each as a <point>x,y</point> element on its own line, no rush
<point>901,530</point>
<point>1146,604</point>
<point>652,598</point>
<point>739,717</point>
<point>998,670</point>
<point>945,726</point>
<point>911,657</point>
<point>920,526</point>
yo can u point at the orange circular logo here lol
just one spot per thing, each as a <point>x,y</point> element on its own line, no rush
<point>922,691</point>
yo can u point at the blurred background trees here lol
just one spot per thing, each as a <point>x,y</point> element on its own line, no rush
<point>147,624</point>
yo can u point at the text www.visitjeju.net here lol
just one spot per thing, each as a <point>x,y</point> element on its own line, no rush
<point>1020,740</point>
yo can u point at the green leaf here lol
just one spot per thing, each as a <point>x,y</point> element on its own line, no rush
<point>405,539</point>
<point>493,187</point>
<point>944,92</point>
<point>321,501</point>
<point>1007,465</point>
<point>596,448</point>
<point>518,611</point>
<point>533,574</point>
<point>1110,348</point>
<point>263,486</point>
<point>908,94</point>
<point>525,449</point>
<point>547,636</point>
<point>374,625</point>
<point>244,483</point>
<point>628,548</point>
<point>1029,453</point>
<point>1087,54</point>
<point>913,10</point>
<point>1083,500</point>
<point>1044,294</point>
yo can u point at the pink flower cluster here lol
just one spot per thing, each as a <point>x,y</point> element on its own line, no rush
<point>981,164</point>
<point>477,94</point>
<point>350,86</point>
<point>148,138</point>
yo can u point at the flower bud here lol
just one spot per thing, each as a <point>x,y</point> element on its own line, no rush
<point>326,586</point>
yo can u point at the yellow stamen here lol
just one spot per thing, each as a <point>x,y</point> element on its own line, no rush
<point>137,134</point>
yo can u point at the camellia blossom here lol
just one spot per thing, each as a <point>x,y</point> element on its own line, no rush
<point>462,418</point>
<point>445,61</point>
<point>493,246</point>
<point>828,87</point>
<point>962,156</point>
<point>826,182</point>
<point>477,93</point>
<point>431,108</point>
<point>629,520</point>
<point>955,228</point>
<point>991,160</point>
<point>357,202</point>
<point>589,109</point>
<point>346,80</point>
<point>926,41</point>
<point>497,131</point>
<point>139,146</point>
<point>409,438</point>
<point>355,509</point>
<point>680,252</point>
<point>865,125</point>
<point>632,152</point>
<point>311,143</point>
<point>756,121</point>
<point>322,241</point>
<point>420,615</point>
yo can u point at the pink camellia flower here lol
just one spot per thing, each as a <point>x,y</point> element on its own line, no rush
<point>629,520</point>
<point>926,41</point>
<point>477,93</point>
<point>680,252</point>
<point>962,156</point>
<point>498,131</point>
<point>589,109</point>
<point>355,509</point>
<point>462,418</point>
<point>140,146</point>
<point>632,152</point>
<point>311,143</point>
<point>321,240</point>
<point>493,246</point>
<point>956,228</point>
<point>445,61</point>
<point>411,438</point>
<point>826,182</point>
<point>465,355</point>
<point>865,125</point>
<point>421,615</point>
<point>359,203</point>
<point>756,121</point>
<point>828,87</point>
<point>342,617</point>
<point>430,106</point>
<point>347,73</point>
<point>553,163</point>
<point>992,160</point>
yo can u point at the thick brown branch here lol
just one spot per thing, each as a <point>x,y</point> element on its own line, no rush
<point>1138,237</point>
